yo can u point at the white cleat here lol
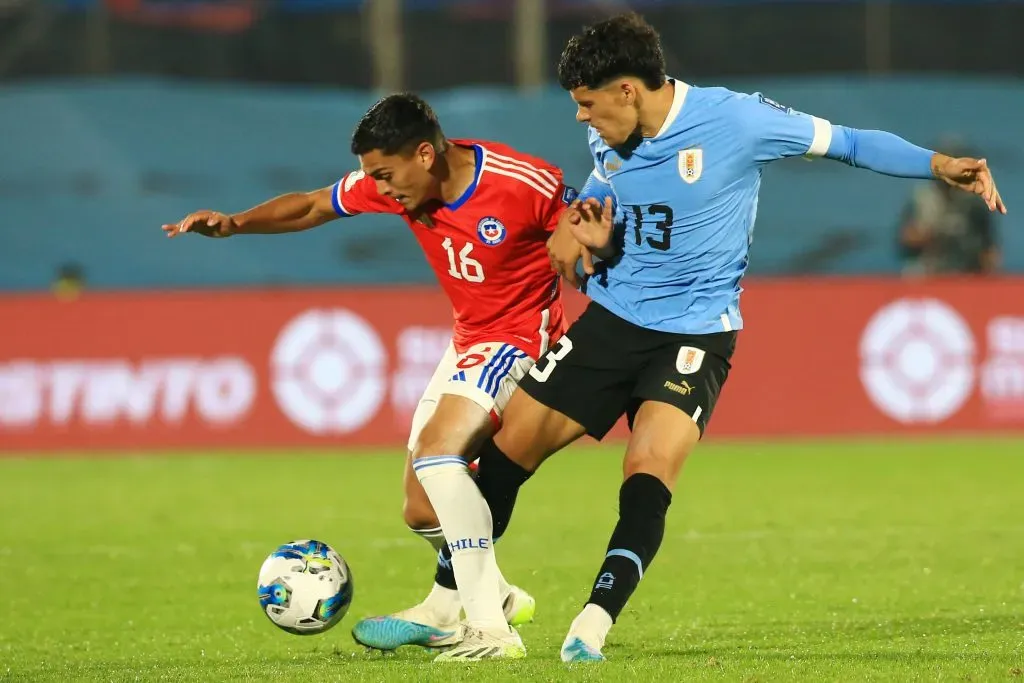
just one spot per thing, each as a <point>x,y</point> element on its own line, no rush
<point>586,636</point>
<point>574,649</point>
<point>478,645</point>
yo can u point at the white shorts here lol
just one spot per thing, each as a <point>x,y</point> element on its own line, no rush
<point>486,374</point>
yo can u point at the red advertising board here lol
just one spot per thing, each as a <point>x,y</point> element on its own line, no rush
<point>343,367</point>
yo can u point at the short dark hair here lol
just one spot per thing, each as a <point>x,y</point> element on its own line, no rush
<point>624,45</point>
<point>395,123</point>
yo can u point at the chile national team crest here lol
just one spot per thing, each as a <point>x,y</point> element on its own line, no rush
<point>691,163</point>
<point>492,231</point>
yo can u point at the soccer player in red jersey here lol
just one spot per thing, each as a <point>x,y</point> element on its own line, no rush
<point>482,213</point>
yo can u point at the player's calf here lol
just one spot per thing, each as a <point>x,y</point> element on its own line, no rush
<point>417,512</point>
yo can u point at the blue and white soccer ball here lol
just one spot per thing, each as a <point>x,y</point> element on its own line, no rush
<point>305,587</point>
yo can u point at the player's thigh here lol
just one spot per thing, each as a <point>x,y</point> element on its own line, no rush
<point>583,384</point>
<point>531,431</point>
<point>466,412</point>
<point>427,404</point>
<point>675,397</point>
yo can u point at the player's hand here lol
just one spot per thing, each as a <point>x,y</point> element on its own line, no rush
<point>970,175</point>
<point>565,251</point>
<point>594,227</point>
<point>206,223</point>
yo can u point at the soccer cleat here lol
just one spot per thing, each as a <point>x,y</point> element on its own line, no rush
<point>419,625</point>
<point>415,626</point>
<point>478,645</point>
<point>519,607</point>
<point>575,650</point>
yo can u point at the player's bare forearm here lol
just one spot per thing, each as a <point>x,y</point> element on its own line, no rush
<point>292,212</point>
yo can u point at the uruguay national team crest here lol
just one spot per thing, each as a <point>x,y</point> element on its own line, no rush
<point>492,231</point>
<point>689,360</point>
<point>691,163</point>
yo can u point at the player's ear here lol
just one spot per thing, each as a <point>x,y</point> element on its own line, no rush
<point>627,93</point>
<point>426,154</point>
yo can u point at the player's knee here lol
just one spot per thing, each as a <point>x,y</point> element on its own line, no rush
<point>435,441</point>
<point>662,461</point>
<point>662,439</point>
<point>456,428</point>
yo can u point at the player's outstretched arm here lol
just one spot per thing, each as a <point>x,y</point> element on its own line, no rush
<point>779,132</point>
<point>890,154</point>
<point>288,213</point>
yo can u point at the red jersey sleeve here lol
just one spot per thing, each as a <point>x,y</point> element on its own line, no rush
<point>550,209</point>
<point>356,193</point>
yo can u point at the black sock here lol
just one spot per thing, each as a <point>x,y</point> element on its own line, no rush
<point>643,502</point>
<point>498,479</point>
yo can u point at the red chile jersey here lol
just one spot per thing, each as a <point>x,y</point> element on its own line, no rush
<point>488,248</point>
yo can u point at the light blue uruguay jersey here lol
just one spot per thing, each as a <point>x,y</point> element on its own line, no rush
<point>686,200</point>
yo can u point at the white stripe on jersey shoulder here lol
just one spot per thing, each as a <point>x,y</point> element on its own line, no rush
<point>600,176</point>
<point>494,162</point>
<point>524,164</point>
<point>678,99</point>
<point>822,137</point>
<point>491,166</point>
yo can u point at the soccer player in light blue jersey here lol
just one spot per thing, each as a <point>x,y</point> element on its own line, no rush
<point>669,209</point>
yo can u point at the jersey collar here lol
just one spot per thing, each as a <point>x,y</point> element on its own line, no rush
<point>478,153</point>
<point>678,98</point>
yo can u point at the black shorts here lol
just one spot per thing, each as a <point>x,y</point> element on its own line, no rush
<point>605,367</point>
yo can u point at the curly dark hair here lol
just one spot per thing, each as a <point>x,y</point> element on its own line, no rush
<point>624,45</point>
<point>395,123</point>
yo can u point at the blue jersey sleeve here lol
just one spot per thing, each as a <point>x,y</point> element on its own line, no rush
<point>597,186</point>
<point>881,152</point>
<point>775,131</point>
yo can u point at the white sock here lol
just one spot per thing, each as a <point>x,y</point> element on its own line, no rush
<point>446,600</point>
<point>467,525</point>
<point>443,603</point>
<point>504,588</point>
<point>591,626</point>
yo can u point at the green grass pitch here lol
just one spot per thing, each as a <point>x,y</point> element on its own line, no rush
<point>885,561</point>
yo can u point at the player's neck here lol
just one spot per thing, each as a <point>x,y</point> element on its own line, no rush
<point>460,170</point>
<point>655,108</point>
